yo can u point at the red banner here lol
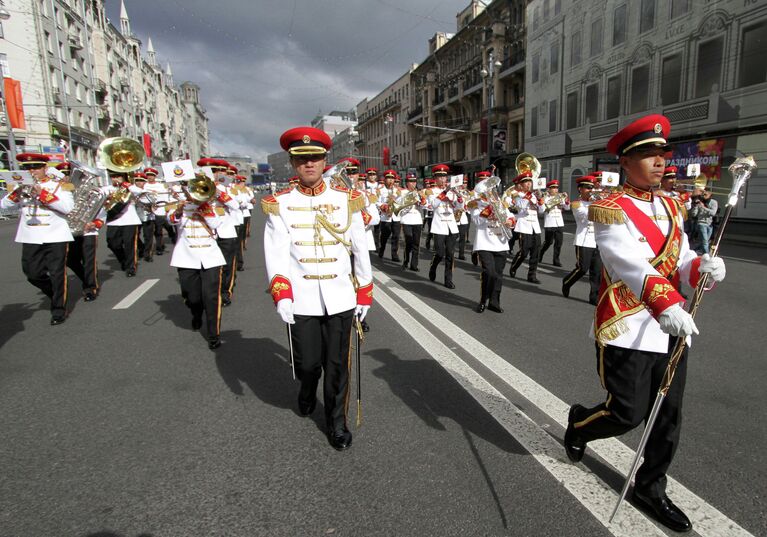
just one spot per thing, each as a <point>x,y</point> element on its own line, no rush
<point>386,156</point>
<point>148,145</point>
<point>14,104</point>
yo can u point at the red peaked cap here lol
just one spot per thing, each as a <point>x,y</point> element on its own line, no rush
<point>441,169</point>
<point>32,158</point>
<point>524,176</point>
<point>586,180</point>
<point>150,171</point>
<point>305,141</point>
<point>483,174</point>
<point>551,183</point>
<point>370,171</point>
<point>670,172</point>
<point>353,165</point>
<point>64,166</point>
<point>652,130</point>
<point>390,173</point>
<point>214,163</point>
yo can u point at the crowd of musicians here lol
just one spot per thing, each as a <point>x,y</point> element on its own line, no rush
<point>319,234</point>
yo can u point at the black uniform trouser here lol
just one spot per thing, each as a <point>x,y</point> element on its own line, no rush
<point>463,234</point>
<point>530,243</point>
<point>160,223</point>
<point>586,260</point>
<point>148,234</point>
<point>513,241</point>
<point>427,224</point>
<point>377,236</point>
<point>247,227</point>
<point>412,234</point>
<point>491,279</point>
<point>632,378</point>
<point>45,266</point>
<point>201,291</point>
<point>553,235</point>
<point>123,241</point>
<point>444,248</point>
<point>82,261</point>
<point>240,245</point>
<point>323,343</point>
<point>389,229</point>
<point>229,273</point>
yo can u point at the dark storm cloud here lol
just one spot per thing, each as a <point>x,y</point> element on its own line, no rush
<point>265,66</point>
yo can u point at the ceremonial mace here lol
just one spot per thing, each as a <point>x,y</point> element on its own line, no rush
<point>741,170</point>
<point>360,339</point>
<point>290,344</point>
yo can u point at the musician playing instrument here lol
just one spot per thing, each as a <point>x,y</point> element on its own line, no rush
<point>371,218</point>
<point>491,245</point>
<point>310,232</point>
<point>554,203</point>
<point>586,252</point>
<point>145,214</point>
<point>199,261</point>
<point>411,220</point>
<point>646,257</point>
<point>373,186</point>
<point>236,193</point>
<point>428,210</point>
<point>463,220</point>
<point>528,227</point>
<point>390,222</point>
<point>123,222</point>
<point>445,202</point>
<point>43,231</point>
<point>156,244</point>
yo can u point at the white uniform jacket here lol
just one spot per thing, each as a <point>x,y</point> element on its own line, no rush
<point>196,245</point>
<point>638,283</point>
<point>410,216</point>
<point>128,216</point>
<point>372,219</point>
<point>386,198</point>
<point>527,214</point>
<point>307,263</point>
<point>248,195</point>
<point>584,228</point>
<point>42,219</point>
<point>443,220</point>
<point>100,220</point>
<point>488,236</point>
<point>239,204</point>
<point>225,202</point>
<point>162,194</point>
<point>553,217</point>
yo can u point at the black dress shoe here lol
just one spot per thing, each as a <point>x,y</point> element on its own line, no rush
<point>474,259</point>
<point>58,319</point>
<point>480,307</point>
<point>450,285</point>
<point>414,269</point>
<point>557,264</point>
<point>534,280</point>
<point>396,259</point>
<point>432,275</point>
<point>214,343</point>
<point>513,273</point>
<point>159,252</point>
<point>462,257</point>
<point>89,297</point>
<point>593,301</point>
<point>148,259</point>
<point>226,301</point>
<point>306,409</point>
<point>340,440</point>
<point>240,269</point>
<point>365,326</point>
<point>565,291</point>
<point>130,273</point>
<point>196,323</point>
<point>664,510</point>
<point>496,309</point>
<point>380,255</point>
<point>574,446</point>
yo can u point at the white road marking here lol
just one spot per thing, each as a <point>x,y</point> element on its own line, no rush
<point>583,484</point>
<point>129,300</point>
<point>707,520</point>
<point>545,270</point>
<point>741,259</point>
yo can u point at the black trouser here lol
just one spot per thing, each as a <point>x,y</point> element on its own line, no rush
<point>160,223</point>
<point>240,245</point>
<point>513,241</point>
<point>377,236</point>
<point>427,224</point>
<point>530,243</point>
<point>632,378</point>
<point>491,279</point>
<point>389,229</point>
<point>463,234</point>
<point>123,241</point>
<point>586,260</point>
<point>82,261</point>
<point>247,228</point>
<point>553,235</point>
<point>148,234</point>
<point>444,248</point>
<point>45,266</point>
<point>201,291</point>
<point>322,343</point>
<point>412,243</point>
<point>229,250</point>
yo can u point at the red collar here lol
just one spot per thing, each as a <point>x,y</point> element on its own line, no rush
<point>309,191</point>
<point>637,193</point>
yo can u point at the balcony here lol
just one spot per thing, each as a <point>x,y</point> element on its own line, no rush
<point>452,92</point>
<point>417,112</point>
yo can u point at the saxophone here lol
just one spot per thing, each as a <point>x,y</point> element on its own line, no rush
<point>89,198</point>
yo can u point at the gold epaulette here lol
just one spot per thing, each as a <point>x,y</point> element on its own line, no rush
<point>338,188</point>
<point>220,211</point>
<point>270,205</point>
<point>356,200</point>
<point>372,198</point>
<point>67,187</point>
<point>170,207</point>
<point>472,204</point>
<point>607,211</point>
<point>575,204</point>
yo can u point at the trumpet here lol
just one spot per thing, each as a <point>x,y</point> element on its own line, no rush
<point>411,198</point>
<point>501,214</point>
<point>555,200</point>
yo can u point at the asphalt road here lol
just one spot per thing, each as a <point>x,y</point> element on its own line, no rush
<point>121,422</point>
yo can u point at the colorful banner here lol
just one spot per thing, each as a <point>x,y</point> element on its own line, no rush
<point>707,153</point>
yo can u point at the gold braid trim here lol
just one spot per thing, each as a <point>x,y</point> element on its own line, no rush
<point>606,211</point>
<point>611,332</point>
<point>356,201</point>
<point>67,187</point>
<point>270,205</point>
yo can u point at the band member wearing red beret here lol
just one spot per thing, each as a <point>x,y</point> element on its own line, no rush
<point>319,289</point>
<point>390,222</point>
<point>446,202</point>
<point>553,222</point>
<point>639,313</point>
<point>587,258</point>
<point>528,227</point>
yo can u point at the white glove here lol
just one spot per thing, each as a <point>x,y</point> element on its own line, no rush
<point>674,321</point>
<point>714,266</point>
<point>285,310</point>
<point>361,311</point>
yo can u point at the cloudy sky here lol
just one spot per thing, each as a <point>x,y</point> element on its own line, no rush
<point>267,65</point>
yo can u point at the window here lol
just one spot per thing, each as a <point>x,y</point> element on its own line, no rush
<point>592,103</point>
<point>753,69</point>
<point>545,10</point>
<point>640,88</point>
<point>679,7</point>
<point>557,7</point>
<point>646,16</point>
<point>534,121</point>
<point>536,63</point>
<point>619,25</point>
<point>596,37</point>
<point>554,60</point>
<point>613,108</point>
<point>575,52</point>
<point>671,79</point>
<point>572,110</point>
<point>553,116</point>
<point>62,52</point>
<point>709,67</point>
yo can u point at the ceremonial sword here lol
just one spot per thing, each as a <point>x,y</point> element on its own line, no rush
<point>290,344</point>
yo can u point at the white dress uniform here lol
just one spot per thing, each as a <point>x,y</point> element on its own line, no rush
<point>553,226</point>
<point>529,229</point>
<point>527,214</point>
<point>374,219</point>
<point>587,259</point>
<point>443,220</point>
<point>412,224</point>
<point>584,228</point>
<point>390,223</point>
<point>228,239</point>
<point>491,247</point>
<point>123,231</point>
<point>444,229</point>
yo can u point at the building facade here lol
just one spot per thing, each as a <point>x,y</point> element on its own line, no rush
<point>596,65</point>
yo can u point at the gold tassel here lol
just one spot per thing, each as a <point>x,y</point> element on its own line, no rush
<point>356,204</point>
<point>575,204</point>
<point>606,215</point>
<point>611,332</point>
<point>270,206</point>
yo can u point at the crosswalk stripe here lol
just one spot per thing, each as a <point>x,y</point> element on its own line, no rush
<point>129,300</point>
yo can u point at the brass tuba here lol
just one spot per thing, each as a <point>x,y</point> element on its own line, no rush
<point>200,189</point>
<point>88,196</point>
<point>525,162</point>
<point>121,155</point>
<point>501,214</point>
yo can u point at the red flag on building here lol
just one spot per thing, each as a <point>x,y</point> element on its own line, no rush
<point>386,156</point>
<point>14,104</point>
<point>148,145</point>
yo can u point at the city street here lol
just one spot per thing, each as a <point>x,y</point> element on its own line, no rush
<point>121,422</point>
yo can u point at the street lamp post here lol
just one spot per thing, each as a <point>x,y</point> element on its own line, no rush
<point>488,75</point>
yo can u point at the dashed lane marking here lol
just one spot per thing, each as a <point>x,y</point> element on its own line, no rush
<point>131,299</point>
